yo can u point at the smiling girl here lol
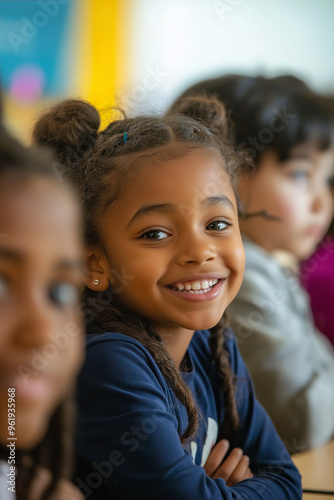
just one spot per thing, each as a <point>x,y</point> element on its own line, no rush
<point>166,406</point>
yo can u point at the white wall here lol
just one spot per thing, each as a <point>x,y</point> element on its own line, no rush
<point>178,42</point>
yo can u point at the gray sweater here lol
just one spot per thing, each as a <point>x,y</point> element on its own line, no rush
<point>291,362</point>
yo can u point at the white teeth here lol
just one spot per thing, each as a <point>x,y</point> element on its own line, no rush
<point>197,286</point>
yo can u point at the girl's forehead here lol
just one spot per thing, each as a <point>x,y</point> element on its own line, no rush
<point>37,190</point>
<point>188,179</point>
<point>175,161</point>
<point>180,167</point>
<point>38,210</point>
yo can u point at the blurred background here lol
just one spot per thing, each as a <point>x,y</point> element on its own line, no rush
<point>140,54</point>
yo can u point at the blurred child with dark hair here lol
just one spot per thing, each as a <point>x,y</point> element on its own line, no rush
<point>287,206</point>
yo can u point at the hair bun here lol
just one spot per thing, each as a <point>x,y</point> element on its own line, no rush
<point>70,127</point>
<point>207,110</point>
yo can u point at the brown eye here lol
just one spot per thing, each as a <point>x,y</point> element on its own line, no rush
<point>217,225</point>
<point>155,234</point>
<point>64,294</point>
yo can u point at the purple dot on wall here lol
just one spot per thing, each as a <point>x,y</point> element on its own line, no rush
<point>27,83</point>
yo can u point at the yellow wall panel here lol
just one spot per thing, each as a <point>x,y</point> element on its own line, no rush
<point>104,49</point>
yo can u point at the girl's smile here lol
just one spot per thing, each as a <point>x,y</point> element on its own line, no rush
<point>177,239</point>
<point>198,288</point>
<point>36,389</point>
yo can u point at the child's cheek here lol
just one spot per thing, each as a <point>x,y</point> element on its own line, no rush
<point>288,206</point>
<point>236,257</point>
<point>286,209</point>
<point>234,260</point>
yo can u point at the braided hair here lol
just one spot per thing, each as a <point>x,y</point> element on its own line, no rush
<point>95,160</point>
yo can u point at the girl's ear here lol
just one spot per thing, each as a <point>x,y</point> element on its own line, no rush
<point>96,264</point>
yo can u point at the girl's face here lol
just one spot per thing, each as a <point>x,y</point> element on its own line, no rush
<point>173,251</point>
<point>40,331</point>
<point>298,192</point>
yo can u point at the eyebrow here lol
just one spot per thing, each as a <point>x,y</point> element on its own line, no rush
<point>299,156</point>
<point>12,255</point>
<point>164,208</point>
<point>213,201</point>
<point>18,257</point>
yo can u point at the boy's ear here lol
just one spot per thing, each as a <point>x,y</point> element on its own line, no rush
<point>96,265</point>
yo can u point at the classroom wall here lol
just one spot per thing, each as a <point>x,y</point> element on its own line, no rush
<point>189,40</point>
<point>140,54</point>
<point>51,49</point>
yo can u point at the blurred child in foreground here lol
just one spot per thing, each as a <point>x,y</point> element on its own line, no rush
<point>41,271</point>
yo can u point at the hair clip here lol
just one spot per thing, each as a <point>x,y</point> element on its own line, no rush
<point>125,137</point>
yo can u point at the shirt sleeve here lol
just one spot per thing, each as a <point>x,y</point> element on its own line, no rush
<point>270,461</point>
<point>129,435</point>
<point>291,363</point>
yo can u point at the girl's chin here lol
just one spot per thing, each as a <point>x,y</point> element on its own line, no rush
<point>28,440</point>
<point>307,251</point>
<point>204,325</point>
<point>31,432</point>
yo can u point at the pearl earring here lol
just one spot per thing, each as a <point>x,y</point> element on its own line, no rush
<point>96,282</point>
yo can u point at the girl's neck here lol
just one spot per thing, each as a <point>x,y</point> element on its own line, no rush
<point>176,342</point>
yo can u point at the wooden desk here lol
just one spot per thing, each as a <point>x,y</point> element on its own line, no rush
<point>317,469</point>
<point>311,496</point>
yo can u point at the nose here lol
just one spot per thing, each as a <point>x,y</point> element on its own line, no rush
<point>36,321</point>
<point>196,248</point>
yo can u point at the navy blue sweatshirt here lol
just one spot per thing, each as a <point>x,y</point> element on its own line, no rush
<point>130,422</point>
